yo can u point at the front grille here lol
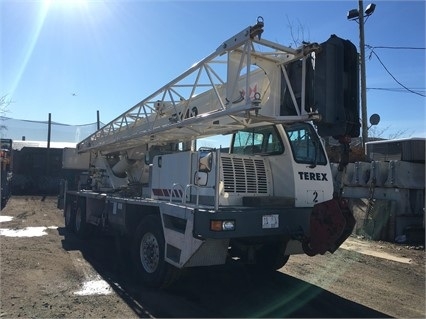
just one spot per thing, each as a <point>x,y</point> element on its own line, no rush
<point>244,175</point>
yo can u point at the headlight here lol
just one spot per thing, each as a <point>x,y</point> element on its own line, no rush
<point>222,225</point>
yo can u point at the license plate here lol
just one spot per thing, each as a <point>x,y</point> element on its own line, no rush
<point>270,221</point>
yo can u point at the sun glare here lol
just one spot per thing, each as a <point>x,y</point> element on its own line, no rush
<point>65,3</point>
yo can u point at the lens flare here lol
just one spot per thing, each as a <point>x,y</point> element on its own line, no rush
<point>32,43</point>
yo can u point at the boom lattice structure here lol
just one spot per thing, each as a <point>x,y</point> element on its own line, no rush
<point>201,102</point>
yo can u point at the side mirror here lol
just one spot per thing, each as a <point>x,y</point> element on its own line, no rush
<point>200,178</point>
<point>205,160</point>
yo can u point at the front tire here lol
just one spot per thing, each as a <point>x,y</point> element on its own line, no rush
<point>271,257</point>
<point>148,254</point>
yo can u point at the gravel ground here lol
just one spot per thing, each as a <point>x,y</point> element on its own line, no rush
<point>48,273</point>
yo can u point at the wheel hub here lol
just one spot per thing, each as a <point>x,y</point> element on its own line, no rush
<point>149,253</point>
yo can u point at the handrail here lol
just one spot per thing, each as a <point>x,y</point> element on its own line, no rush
<point>172,191</point>
<point>185,193</point>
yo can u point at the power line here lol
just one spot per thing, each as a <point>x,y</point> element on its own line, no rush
<point>394,47</point>
<point>397,89</point>
<point>402,85</point>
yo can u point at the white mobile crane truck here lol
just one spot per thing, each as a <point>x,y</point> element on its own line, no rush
<point>265,197</point>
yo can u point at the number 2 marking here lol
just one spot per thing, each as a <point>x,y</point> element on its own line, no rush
<point>315,197</point>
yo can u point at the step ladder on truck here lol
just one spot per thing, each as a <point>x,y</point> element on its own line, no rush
<point>266,197</point>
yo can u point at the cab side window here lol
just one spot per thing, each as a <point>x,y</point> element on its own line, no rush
<point>264,140</point>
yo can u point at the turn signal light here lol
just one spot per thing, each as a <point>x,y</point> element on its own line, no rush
<point>222,225</point>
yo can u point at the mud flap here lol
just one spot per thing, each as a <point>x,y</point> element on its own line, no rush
<point>331,223</point>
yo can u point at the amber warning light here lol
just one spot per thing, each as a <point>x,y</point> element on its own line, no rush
<point>222,225</point>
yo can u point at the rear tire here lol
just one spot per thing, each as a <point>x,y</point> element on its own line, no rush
<point>69,216</point>
<point>82,228</point>
<point>148,254</point>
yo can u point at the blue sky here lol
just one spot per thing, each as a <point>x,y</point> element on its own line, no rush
<point>112,54</point>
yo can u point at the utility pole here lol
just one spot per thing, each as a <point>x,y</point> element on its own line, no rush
<point>358,15</point>
<point>363,74</point>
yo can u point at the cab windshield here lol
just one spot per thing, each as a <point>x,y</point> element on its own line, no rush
<point>305,144</point>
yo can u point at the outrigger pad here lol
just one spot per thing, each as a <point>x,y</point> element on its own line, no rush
<point>331,223</point>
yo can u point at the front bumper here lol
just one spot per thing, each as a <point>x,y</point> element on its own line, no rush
<point>321,228</point>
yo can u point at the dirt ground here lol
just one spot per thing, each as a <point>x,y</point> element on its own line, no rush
<point>48,273</point>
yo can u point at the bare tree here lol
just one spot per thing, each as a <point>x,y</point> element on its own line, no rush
<point>4,104</point>
<point>376,132</point>
<point>297,32</point>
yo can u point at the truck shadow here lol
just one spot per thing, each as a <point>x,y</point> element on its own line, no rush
<point>229,291</point>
